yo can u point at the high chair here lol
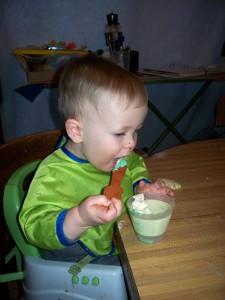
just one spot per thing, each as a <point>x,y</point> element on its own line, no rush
<point>44,279</point>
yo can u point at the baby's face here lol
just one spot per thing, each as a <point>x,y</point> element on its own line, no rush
<point>110,133</point>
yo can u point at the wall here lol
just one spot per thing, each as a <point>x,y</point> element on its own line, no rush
<point>176,32</point>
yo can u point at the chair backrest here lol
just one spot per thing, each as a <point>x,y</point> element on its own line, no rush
<point>13,155</point>
<point>220,112</point>
<point>14,194</point>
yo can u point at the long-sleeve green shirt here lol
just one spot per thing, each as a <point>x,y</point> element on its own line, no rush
<point>63,181</point>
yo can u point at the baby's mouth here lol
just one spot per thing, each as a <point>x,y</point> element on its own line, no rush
<point>115,161</point>
<point>119,163</point>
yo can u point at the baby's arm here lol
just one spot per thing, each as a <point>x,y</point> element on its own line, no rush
<point>95,210</point>
<point>155,187</point>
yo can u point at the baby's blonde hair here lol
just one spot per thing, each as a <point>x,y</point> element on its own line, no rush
<point>88,80</point>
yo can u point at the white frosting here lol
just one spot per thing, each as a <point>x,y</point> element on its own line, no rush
<point>140,205</point>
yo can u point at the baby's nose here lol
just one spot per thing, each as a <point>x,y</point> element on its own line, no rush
<point>131,143</point>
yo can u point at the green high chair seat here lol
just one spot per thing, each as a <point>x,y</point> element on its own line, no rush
<point>50,280</point>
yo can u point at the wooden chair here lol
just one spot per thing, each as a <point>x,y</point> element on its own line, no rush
<point>219,128</point>
<point>13,155</point>
<point>220,112</point>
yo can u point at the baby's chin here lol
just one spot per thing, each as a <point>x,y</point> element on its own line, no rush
<point>107,169</point>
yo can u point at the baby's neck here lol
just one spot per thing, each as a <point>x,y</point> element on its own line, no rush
<point>74,148</point>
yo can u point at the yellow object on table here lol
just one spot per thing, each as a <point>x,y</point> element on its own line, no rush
<point>35,63</point>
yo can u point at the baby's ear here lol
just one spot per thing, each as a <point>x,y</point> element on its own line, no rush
<point>73,130</point>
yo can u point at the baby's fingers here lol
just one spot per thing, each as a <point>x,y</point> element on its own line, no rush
<point>166,191</point>
<point>118,205</point>
<point>107,213</point>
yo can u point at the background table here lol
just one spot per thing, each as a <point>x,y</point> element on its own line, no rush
<point>190,262</point>
<point>207,79</point>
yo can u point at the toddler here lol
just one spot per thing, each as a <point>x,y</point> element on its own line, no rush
<point>65,210</point>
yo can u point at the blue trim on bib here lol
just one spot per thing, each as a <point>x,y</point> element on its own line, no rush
<point>73,156</point>
<point>64,241</point>
<point>62,141</point>
<point>59,229</point>
<point>144,179</point>
<point>94,255</point>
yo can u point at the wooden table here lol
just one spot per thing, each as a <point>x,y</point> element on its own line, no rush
<point>189,263</point>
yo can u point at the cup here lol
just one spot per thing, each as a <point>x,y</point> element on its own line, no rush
<point>151,219</point>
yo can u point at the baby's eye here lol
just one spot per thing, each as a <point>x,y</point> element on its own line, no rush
<point>120,134</point>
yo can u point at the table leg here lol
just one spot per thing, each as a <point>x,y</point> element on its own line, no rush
<point>171,125</point>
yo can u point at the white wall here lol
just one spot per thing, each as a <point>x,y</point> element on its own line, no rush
<point>178,32</point>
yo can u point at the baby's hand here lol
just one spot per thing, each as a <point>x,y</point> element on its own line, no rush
<point>97,210</point>
<point>155,187</point>
<point>94,210</point>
